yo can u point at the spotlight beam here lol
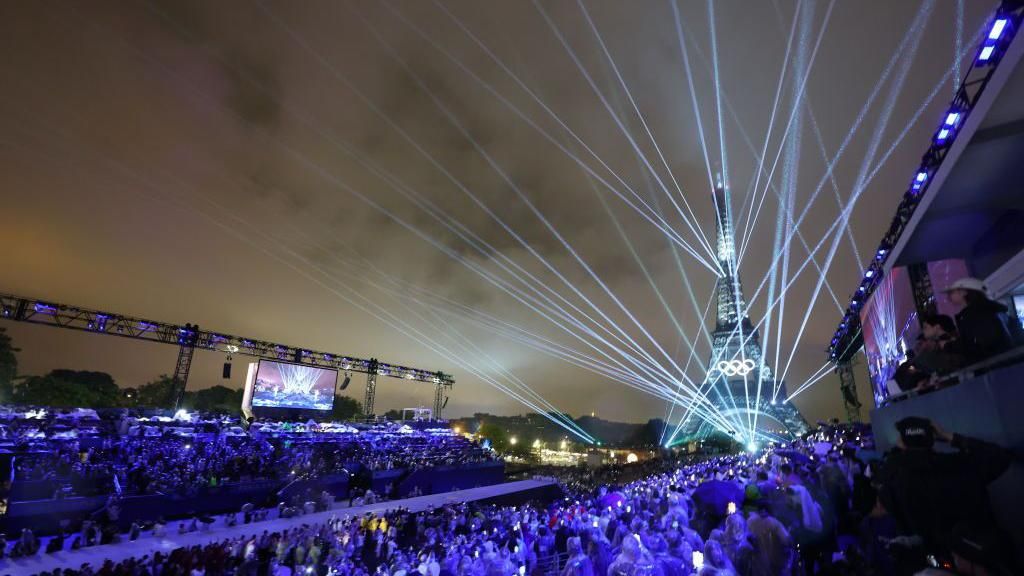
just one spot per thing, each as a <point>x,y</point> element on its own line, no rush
<point>792,116</point>
<point>370,166</point>
<point>618,122</point>
<point>649,214</point>
<point>771,120</point>
<point>688,220</point>
<point>693,93</point>
<point>890,66</point>
<point>529,204</point>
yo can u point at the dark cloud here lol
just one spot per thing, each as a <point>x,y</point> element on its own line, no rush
<point>230,127</point>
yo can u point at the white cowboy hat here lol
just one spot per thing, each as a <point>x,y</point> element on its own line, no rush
<point>967,283</point>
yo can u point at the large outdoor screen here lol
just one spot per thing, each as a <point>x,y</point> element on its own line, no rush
<point>283,385</point>
<point>889,321</point>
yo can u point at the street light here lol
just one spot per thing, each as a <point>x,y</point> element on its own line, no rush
<point>512,440</point>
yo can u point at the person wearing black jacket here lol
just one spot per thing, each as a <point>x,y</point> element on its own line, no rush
<point>984,325</point>
<point>930,493</point>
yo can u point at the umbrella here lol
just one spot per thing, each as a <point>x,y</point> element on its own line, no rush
<point>715,495</point>
<point>798,457</point>
<point>613,500</point>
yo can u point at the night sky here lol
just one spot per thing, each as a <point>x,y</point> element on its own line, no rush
<point>214,163</point>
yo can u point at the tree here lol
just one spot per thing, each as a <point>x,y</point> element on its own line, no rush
<point>59,388</point>
<point>157,394</point>
<point>105,392</point>
<point>215,398</point>
<point>346,408</point>
<point>649,434</point>
<point>496,434</point>
<point>393,415</point>
<point>8,366</point>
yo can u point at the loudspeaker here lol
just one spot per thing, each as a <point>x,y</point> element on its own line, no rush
<point>344,383</point>
<point>226,373</point>
<point>298,357</point>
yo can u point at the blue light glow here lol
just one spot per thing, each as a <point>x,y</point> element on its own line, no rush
<point>869,273</point>
<point>922,176</point>
<point>986,53</point>
<point>951,118</point>
<point>997,29</point>
<point>943,134</point>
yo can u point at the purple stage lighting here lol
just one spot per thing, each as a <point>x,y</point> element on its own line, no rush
<point>951,118</point>
<point>943,134</point>
<point>986,53</point>
<point>920,179</point>
<point>997,29</point>
<point>869,273</point>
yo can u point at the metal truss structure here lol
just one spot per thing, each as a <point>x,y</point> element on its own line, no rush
<point>848,386</point>
<point>189,337</point>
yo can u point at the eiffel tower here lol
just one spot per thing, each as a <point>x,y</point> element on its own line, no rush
<point>736,365</point>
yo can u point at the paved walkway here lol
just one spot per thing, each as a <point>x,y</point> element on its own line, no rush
<point>147,544</point>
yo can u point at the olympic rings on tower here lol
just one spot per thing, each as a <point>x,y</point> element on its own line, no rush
<point>736,367</point>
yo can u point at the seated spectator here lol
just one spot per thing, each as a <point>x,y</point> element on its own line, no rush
<point>910,375</point>
<point>937,352</point>
<point>984,325</point>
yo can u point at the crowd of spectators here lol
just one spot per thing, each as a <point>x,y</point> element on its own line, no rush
<point>822,505</point>
<point>182,456</point>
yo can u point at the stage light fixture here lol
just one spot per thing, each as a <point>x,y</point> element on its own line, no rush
<point>869,273</point>
<point>920,179</point>
<point>986,53</point>
<point>997,29</point>
<point>943,134</point>
<point>951,118</point>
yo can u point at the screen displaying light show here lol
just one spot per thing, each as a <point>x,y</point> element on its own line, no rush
<point>889,321</point>
<point>283,385</point>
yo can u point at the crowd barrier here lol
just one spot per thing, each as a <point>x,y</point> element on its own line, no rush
<point>447,478</point>
<point>49,516</point>
<point>987,407</point>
